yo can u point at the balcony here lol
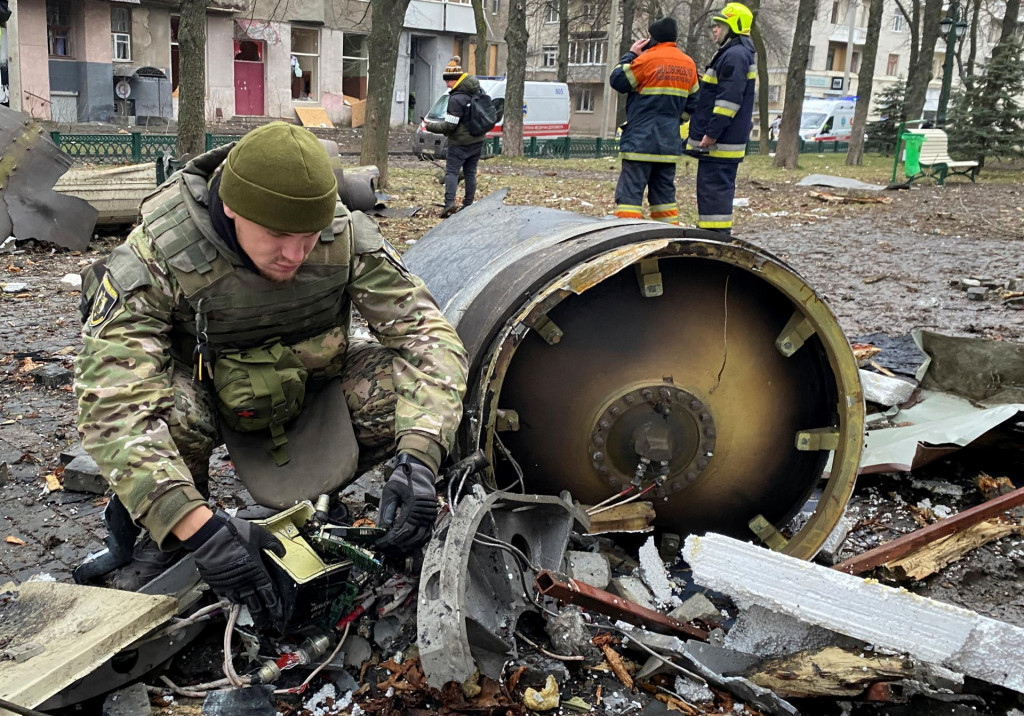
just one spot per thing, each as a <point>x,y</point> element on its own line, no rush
<point>841,33</point>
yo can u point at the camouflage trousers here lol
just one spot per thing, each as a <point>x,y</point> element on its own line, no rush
<point>369,392</point>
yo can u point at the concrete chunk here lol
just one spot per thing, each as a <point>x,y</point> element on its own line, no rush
<point>71,452</point>
<point>829,552</point>
<point>883,390</point>
<point>588,567</point>
<point>696,607</point>
<point>130,701</point>
<point>83,475</point>
<point>767,633</point>
<point>928,630</point>
<point>634,590</point>
<point>52,375</point>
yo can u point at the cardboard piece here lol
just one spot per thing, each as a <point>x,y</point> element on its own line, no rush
<point>313,117</point>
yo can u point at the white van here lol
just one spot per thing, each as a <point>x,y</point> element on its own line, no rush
<point>827,120</point>
<point>545,114</point>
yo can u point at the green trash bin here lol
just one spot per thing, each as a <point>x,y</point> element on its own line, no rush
<point>912,153</point>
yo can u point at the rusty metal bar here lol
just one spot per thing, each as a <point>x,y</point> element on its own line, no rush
<point>602,602</point>
<point>901,546</point>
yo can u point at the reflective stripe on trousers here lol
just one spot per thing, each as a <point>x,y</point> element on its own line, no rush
<point>716,187</point>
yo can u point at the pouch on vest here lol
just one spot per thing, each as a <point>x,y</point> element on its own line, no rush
<point>260,388</point>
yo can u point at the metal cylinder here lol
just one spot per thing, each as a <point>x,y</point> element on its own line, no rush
<point>607,352</point>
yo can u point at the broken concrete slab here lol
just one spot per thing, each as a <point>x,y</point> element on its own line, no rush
<point>883,390</point>
<point>130,701</point>
<point>634,590</point>
<point>654,574</point>
<point>79,627</point>
<point>71,452</point>
<point>926,629</point>
<point>768,633</point>
<point>590,568</point>
<point>82,474</point>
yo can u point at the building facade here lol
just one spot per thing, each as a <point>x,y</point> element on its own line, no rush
<point>117,60</point>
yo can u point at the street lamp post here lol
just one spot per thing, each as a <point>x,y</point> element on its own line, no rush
<point>953,28</point>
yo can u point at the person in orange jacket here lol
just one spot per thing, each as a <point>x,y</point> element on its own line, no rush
<point>660,83</point>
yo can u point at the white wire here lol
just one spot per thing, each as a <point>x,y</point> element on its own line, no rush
<point>229,630</point>
<point>616,496</point>
<point>612,506</point>
<point>301,687</point>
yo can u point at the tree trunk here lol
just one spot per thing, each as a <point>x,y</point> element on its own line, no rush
<point>695,25</point>
<point>1005,44</point>
<point>968,72</point>
<point>563,40</point>
<point>625,42</point>
<point>920,73</point>
<point>787,153</point>
<point>516,37</point>
<point>865,83</point>
<point>481,38</point>
<point>192,83</point>
<point>762,80</point>
<point>387,18</point>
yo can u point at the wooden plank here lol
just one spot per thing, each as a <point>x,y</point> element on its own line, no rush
<point>633,517</point>
<point>908,543</point>
<point>934,556</point>
<point>313,117</point>
<point>829,671</point>
<point>66,631</point>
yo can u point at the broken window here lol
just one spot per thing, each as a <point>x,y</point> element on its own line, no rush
<point>121,34</point>
<point>586,52</point>
<point>585,100</point>
<point>354,65</point>
<point>305,64</point>
<point>58,28</point>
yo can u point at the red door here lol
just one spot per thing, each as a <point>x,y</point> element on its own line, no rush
<point>249,78</point>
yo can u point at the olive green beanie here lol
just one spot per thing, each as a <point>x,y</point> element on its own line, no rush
<point>279,176</point>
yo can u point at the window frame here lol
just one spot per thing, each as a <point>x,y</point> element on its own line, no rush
<point>549,52</point>
<point>60,27</point>
<point>551,14</point>
<point>899,23</point>
<point>585,97</point>
<point>314,81</point>
<point>126,39</point>
<point>892,65</point>
<point>587,51</point>
<point>346,59</point>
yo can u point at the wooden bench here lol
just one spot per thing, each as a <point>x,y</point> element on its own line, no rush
<point>935,160</point>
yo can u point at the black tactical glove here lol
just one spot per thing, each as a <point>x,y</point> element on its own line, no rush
<point>228,555</point>
<point>408,506</point>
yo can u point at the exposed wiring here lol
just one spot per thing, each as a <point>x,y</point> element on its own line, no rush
<point>515,466</point>
<point>229,630</point>
<point>545,652</point>
<point>204,614</point>
<point>302,687</point>
<point>629,488</point>
<point>612,506</point>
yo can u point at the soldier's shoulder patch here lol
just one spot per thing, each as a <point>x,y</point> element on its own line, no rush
<point>107,303</point>
<point>393,254</point>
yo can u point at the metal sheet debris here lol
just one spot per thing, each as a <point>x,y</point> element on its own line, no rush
<point>838,182</point>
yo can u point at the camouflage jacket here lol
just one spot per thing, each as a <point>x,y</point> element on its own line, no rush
<point>123,375</point>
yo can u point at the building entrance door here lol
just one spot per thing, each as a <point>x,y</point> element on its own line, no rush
<point>249,90</point>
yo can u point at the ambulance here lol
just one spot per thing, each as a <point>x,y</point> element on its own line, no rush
<point>545,114</point>
<point>827,120</point>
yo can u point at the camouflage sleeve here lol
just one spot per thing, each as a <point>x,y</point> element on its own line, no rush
<point>431,364</point>
<point>123,385</point>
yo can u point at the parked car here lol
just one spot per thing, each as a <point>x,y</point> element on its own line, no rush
<point>545,114</point>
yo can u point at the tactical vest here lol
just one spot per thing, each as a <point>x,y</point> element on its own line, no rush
<point>227,305</point>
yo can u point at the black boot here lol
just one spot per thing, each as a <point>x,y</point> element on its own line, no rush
<point>148,563</point>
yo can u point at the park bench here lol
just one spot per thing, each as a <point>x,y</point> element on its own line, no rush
<point>935,160</point>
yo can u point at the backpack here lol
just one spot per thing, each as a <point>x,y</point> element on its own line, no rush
<point>481,115</point>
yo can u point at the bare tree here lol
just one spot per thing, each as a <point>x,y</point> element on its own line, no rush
<point>696,34</point>
<point>923,20</point>
<point>625,42</point>
<point>865,83</point>
<point>762,79</point>
<point>192,83</point>
<point>787,153</point>
<point>481,37</point>
<point>563,40</point>
<point>516,38</point>
<point>387,17</point>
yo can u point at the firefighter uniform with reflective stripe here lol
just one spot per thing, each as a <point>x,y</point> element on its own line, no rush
<point>661,91</point>
<point>724,108</point>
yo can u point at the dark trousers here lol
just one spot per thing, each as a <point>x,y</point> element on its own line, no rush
<point>659,179</point>
<point>465,158</point>
<point>716,187</point>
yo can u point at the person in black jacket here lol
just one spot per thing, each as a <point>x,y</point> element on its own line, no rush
<point>463,148</point>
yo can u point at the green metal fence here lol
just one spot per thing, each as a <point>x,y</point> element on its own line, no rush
<point>136,147</point>
<point>132,148</point>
